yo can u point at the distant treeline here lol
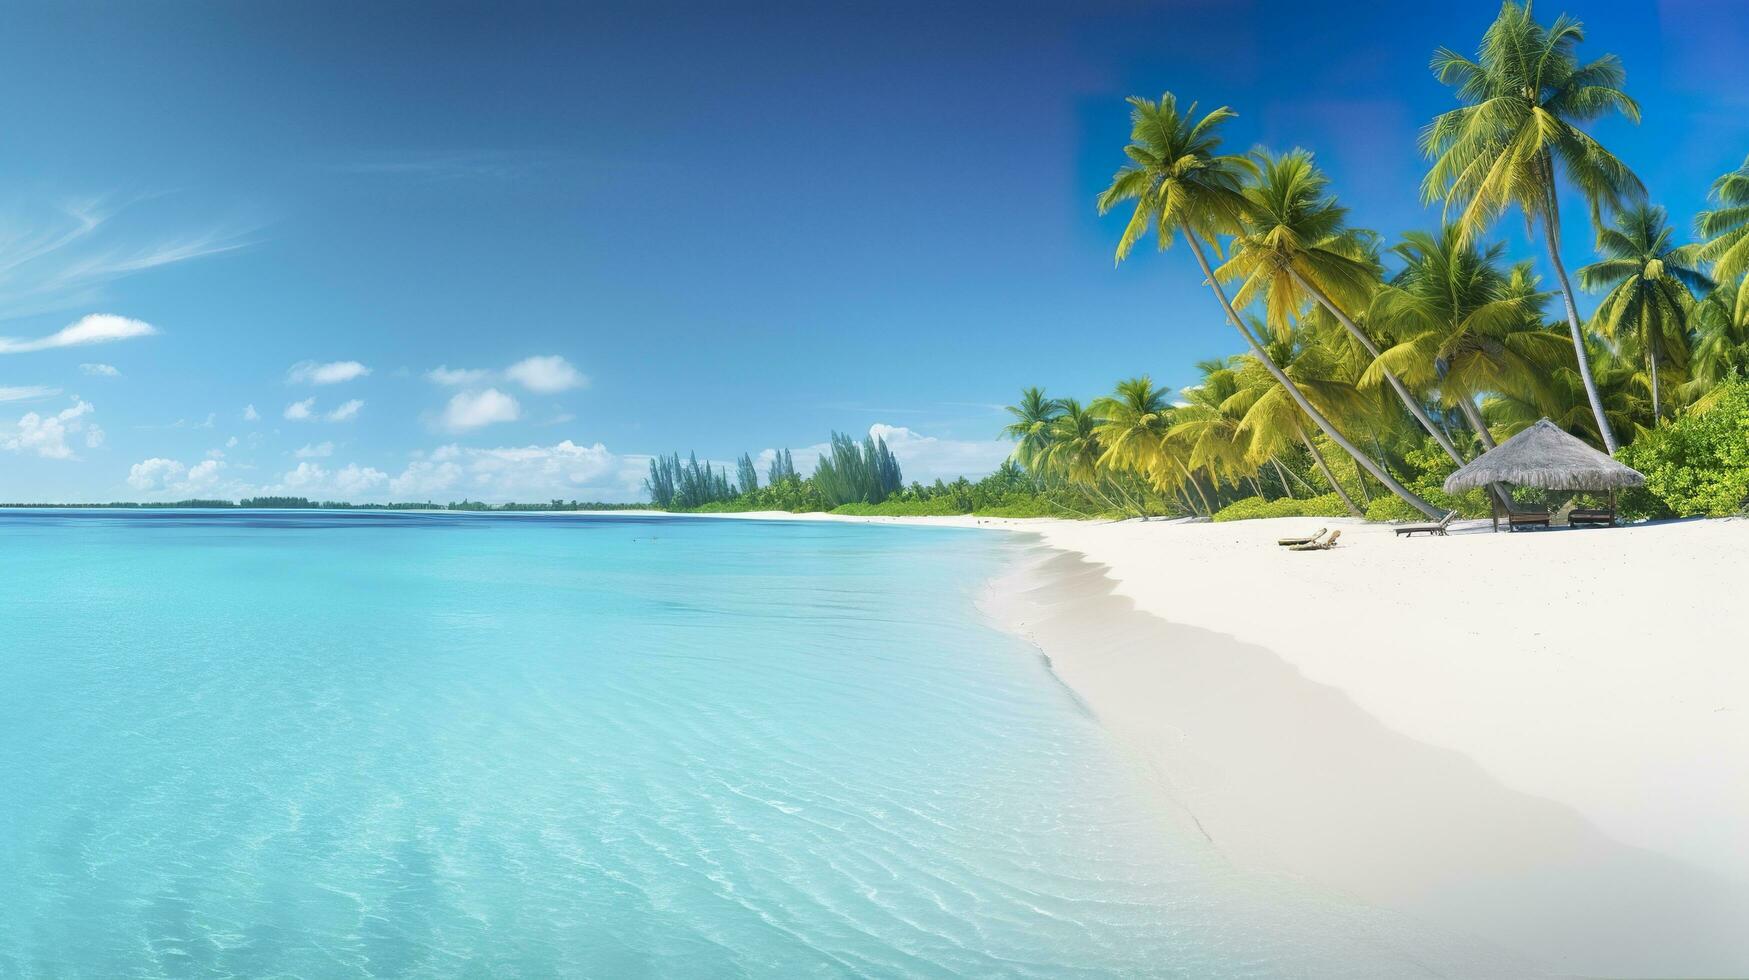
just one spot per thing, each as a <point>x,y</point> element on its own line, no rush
<point>304,503</point>
<point>850,472</point>
<point>852,477</point>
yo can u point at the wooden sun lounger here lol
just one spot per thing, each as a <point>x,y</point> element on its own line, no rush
<point>1326,545</point>
<point>1529,518</point>
<point>1284,542</point>
<point>1437,528</point>
<point>1604,517</point>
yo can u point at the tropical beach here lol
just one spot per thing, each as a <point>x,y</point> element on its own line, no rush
<point>1502,752</point>
<point>797,490</point>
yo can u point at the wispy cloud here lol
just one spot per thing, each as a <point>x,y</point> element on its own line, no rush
<point>98,328</point>
<point>331,373</point>
<point>305,411</point>
<point>544,374</point>
<point>24,393</point>
<point>100,370</point>
<point>65,258</point>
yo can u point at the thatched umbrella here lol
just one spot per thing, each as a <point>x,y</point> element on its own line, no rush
<point>1547,457</point>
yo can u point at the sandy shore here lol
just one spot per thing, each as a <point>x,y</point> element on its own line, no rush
<point>1539,739</point>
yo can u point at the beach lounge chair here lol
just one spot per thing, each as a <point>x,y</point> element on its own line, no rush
<point>1284,542</point>
<point>1326,545</point>
<point>1528,518</point>
<point>1438,528</point>
<point>1597,517</point>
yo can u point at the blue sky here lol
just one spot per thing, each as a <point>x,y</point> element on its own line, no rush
<point>626,229</point>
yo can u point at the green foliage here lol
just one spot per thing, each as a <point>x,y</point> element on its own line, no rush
<point>684,486</point>
<point>852,473</point>
<point>1697,464</point>
<point>1254,508</point>
<point>1394,510</point>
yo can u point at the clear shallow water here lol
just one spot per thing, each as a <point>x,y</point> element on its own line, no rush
<point>331,745</point>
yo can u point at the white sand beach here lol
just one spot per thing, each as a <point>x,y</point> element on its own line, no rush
<point>1539,739</point>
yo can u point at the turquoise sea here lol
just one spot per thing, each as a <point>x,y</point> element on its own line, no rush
<point>354,744</point>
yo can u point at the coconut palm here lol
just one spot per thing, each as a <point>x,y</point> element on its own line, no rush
<point>1465,328</point>
<point>1652,284</point>
<point>1524,95</point>
<point>1075,455</point>
<point>1721,347</point>
<point>1134,420</point>
<point>1270,421</point>
<point>1726,230</point>
<point>1206,434</point>
<point>1031,428</point>
<point>1293,251</point>
<point>1182,187</point>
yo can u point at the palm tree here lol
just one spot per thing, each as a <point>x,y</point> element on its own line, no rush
<point>1134,420</point>
<point>1524,94</point>
<point>1465,328</point>
<point>1074,452</point>
<point>1270,421</point>
<point>1726,229</point>
<point>1205,433</point>
<point>1652,285</point>
<point>1182,187</point>
<point>1721,349</point>
<point>1031,428</point>
<point>1294,250</point>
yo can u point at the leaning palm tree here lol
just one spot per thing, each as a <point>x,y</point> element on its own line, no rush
<point>1270,422</point>
<point>1182,187</point>
<point>1726,230</point>
<point>1293,250</point>
<point>1524,95</point>
<point>1031,428</point>
<point>1074,454</point>
<point>1464,328</point>
<point>1206,434</point>
<point>1652,284</point>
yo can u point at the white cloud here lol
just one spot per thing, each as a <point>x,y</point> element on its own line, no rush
<point>215,453</point>
<point>334,372</point>
<point>299,411</point>
<point>926,458</point>
<point>456,377</point>
<point>250,414</point>
<point>527,473</point>
<point>96,328</point>
<point>346,411</point>
<point>545,375</point>
<point>21,393</point>
<point>314,479</point>
<point>317,451</point>
<point>472,409</point>
<point>922,459</point>
<point>354,479</point>
<point>202,474</point>
<point>46,435</point>
<point>151,474</point>
<point>100,370</point>
<point>231,443</point>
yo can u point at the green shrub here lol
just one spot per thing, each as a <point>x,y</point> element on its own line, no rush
<point>1254,508</point>
<point>1394,509</point>
<point>1696,464</point>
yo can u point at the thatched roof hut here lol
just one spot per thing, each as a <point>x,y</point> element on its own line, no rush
<point>1544,456</point>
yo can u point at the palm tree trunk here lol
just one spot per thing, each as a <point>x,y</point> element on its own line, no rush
<point>1473,415</point>
<point>1207,507</point>
<point>1281,475</point>
<point>1552,241</point>
<point>1324,468</point>
<point>1298,396</point>
<point>1410,402</point>
<point>1652,356</point>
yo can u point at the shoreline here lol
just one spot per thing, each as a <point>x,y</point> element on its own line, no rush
<point>1456,728</point>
